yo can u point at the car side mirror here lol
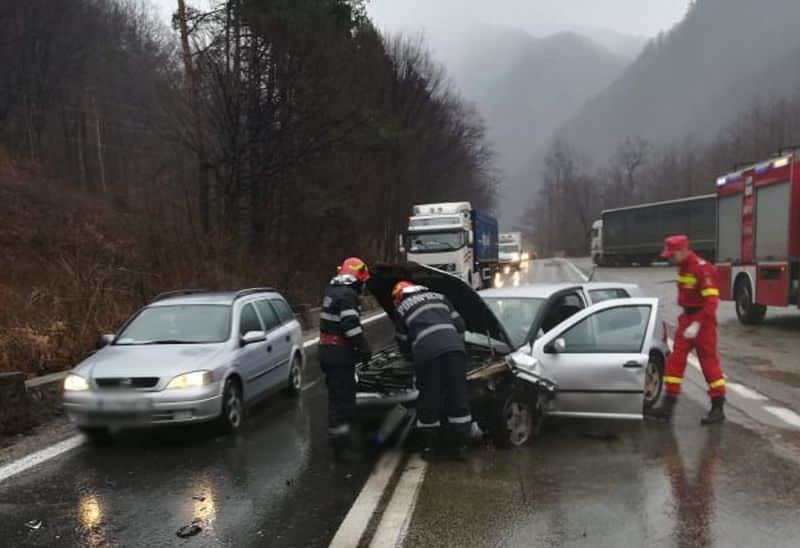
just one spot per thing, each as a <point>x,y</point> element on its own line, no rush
<point>253,337</point>
<point>558,346</point>
<point>104,340</point>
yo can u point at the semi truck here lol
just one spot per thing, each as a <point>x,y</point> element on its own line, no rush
<point>758,236</point>
<point>455,238</point>
<point>635,234</point>
<point>510,251</point>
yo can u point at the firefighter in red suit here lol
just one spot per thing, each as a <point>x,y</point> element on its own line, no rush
<point>698,295</point>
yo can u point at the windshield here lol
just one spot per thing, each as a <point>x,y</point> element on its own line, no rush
<point>509,248</point>
<point>516,314</point>
<point>429,242</point>
<point>188,324</point>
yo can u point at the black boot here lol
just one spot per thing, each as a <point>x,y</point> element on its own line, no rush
<point>347,446</point>
<point>664,410</point>
<point>456,442</point>
<point>428,442</point>
<point>717,413</point>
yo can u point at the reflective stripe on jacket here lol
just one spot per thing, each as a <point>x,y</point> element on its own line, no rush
<point>339,320</point>
<point>428,326</point>
<point>697,286</point>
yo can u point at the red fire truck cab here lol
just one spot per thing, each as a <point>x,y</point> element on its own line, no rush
<point>758,236</point>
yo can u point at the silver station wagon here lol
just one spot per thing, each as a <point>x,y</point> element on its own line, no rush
<point>189,357</point>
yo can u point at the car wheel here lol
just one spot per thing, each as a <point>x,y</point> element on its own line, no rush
<point>295,386</point>
<point>232,407</point>
<point>748,312</point>
<point>517,421</point>
<point>653,381</point>
<point>97,435</point>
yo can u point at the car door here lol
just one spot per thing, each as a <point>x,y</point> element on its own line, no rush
<point>598,359</point>
<point>290,331</point>
<point>253,358</point>
<point>278,347</point>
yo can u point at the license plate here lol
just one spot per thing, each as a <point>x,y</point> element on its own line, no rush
<point>123,405</point>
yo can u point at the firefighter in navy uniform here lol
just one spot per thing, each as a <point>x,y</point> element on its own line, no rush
<point>430,331</point>
<point>698,295</point>
<point>342,345</point>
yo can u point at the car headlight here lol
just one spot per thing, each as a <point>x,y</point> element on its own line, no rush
<point>194,379</point>
<point>74,383</point>
<point>515,257</point>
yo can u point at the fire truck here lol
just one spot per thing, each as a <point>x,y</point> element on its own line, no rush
<point>758,236</point>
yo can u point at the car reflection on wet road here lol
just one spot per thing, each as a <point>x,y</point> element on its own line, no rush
<point>584,484</point>
<point>273,484</point>
<point>608,485</point>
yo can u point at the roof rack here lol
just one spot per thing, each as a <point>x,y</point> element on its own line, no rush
<point>785,150</point>
<point>177,293</point>
<point>250,291</point>
<point>739,166</point>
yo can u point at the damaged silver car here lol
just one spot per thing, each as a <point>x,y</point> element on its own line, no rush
<point>535,351</point>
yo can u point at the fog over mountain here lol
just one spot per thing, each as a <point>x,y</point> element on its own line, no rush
<point>526,87</point>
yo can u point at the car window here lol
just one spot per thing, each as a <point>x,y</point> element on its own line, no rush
<point>268,315</point>
<point>516,314</point>
<point>600,295</point>
<point>249,320</point>
<point>285,312</point>
<point>561,310</point>
<point>619,330</point>
<point>188,324</point>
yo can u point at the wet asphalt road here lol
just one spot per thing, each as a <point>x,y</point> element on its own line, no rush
<point>594,484</point>
<point>273,484</point>
<point>580,484</point>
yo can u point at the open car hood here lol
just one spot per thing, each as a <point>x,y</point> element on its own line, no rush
<point>477,315</point>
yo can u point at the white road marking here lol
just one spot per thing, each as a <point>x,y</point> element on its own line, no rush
<point>29,461</point>
<point>312,384</point>
<point>786,415</point>
<point>745,392</point>
<point>394,523</point>
<point>355,523</point>
<point>583,277</point>
<point>25,463</point>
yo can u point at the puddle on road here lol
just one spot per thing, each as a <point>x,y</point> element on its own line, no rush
<point>656,485</point>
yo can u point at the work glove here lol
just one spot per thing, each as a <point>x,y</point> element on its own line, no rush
<point>691,331</point>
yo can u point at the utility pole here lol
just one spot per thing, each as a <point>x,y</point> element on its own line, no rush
<point>193,87</point>
<point>99,137</point>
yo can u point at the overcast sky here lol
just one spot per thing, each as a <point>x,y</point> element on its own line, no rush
<point>637,17</point>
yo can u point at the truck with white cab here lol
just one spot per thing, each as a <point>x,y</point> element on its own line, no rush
<point>510,251</point>
<point>455,238</point>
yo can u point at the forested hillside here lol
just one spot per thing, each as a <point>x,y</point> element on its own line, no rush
<point>718,90</point>
<point>254,144</point>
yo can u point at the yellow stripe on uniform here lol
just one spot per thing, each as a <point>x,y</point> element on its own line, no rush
<point>687,280</point>
<point>717,383</point>
<point>710,292</point>
<point>673,380</point>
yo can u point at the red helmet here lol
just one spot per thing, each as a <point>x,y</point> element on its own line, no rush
<point>678,242</point>
<point>399,288</point>
<point>356,268</point>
